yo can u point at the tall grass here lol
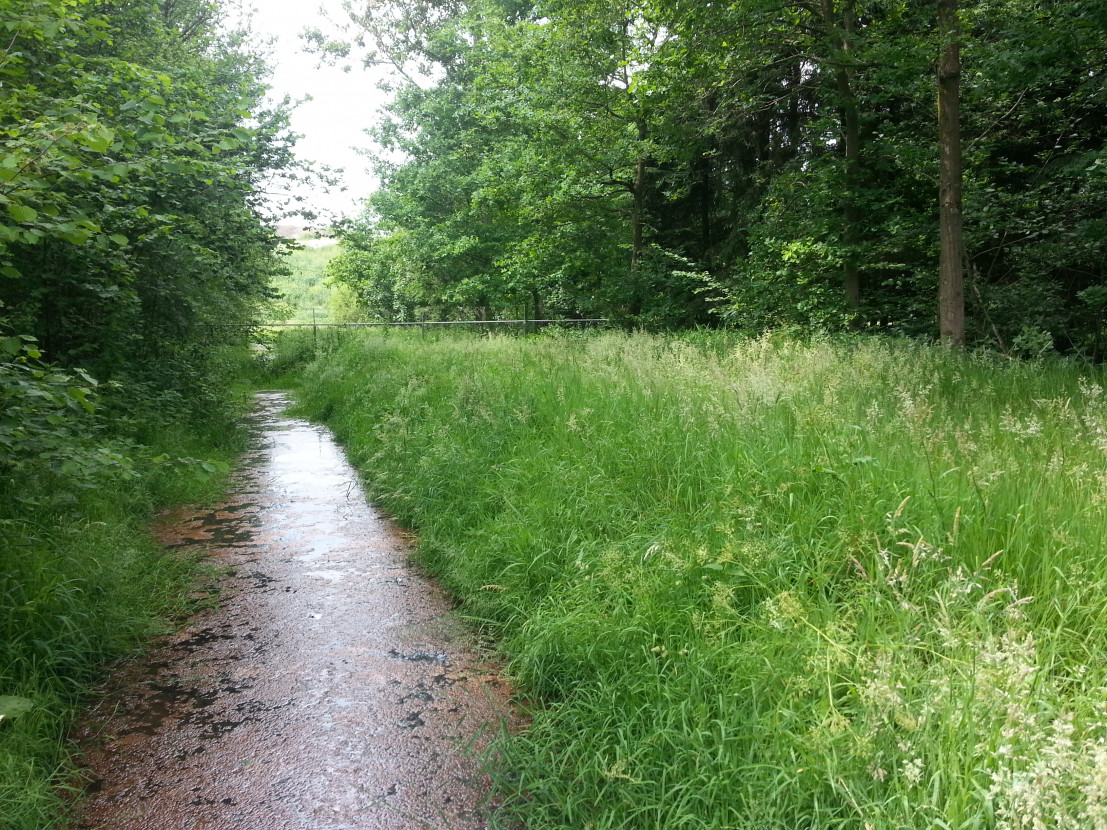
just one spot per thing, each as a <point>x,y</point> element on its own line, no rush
<point>761,583</point>
<point>82,582</point>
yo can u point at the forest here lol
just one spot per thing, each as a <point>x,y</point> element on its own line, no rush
<point>750,164</point>
<point>135,150</point>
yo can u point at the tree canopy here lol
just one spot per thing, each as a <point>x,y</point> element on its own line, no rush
<point>756,162</point>
<point>134,143</point>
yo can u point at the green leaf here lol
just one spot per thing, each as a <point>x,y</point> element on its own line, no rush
<point>22,213</point>
<point>74,234</point>
<point>119,239</point>
<point>12,706</point>
<point>80,395</point>
<point>99,138</point>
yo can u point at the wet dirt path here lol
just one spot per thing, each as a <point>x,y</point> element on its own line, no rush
<point>331,690</point>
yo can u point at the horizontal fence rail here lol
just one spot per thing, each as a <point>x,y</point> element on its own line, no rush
<point>409,324</point>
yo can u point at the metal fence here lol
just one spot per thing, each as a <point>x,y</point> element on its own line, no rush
<point>422,324</point>
<point>439,323</point>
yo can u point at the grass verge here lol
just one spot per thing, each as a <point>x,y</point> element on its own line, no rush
<point>760,583</point>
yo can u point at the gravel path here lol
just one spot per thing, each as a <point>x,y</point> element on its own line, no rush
<point>331,689</point>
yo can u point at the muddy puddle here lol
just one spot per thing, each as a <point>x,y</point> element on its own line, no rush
<point>332,689</point>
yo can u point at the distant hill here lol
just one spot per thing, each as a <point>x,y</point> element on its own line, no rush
<point>310,236</point>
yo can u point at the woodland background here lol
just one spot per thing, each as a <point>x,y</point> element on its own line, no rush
<point>754,164</point>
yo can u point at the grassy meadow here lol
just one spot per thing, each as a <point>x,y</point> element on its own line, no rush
<point>80,586</point>
<point>304,292</point>
<point>759,583</point>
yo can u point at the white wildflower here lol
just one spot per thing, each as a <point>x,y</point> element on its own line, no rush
<point>1022,429</point>
<point>1095,790</point>
<point>912,771</point>
<point>1091,390</point>
<point>879,692</point>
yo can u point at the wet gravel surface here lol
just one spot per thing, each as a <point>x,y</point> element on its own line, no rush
<point>332,689</point>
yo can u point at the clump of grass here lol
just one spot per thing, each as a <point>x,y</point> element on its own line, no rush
<point>761,583</point>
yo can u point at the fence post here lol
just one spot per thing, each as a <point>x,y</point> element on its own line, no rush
<point>314,330</point>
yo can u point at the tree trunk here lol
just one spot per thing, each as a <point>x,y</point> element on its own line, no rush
<point>703,202</point>
<point>792,134</point>
<point>951,278</point>
<point>639,209</point>
<point>851,142</point>
<point>852,133</point>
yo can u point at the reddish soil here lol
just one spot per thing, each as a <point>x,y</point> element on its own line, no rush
<point>331,689</point>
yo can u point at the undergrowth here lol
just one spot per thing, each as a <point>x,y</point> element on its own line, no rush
<point>760,583</point>
<point>82,581</point>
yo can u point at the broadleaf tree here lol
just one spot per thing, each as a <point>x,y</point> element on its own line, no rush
<point>756,163</point>
<point>136,142</point>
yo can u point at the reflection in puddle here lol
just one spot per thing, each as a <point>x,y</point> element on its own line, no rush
<point>335,575</point>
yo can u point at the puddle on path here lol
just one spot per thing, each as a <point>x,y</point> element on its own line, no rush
<point>331,690</point>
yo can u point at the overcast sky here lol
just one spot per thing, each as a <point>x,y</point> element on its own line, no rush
<point>344,104</point>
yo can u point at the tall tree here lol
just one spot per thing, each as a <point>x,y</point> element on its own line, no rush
<point>840,24</point>
<point>951,280</point>
<point>135,143</point>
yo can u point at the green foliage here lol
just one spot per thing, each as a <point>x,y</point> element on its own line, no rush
<point>759,583</point>
<point>548,146</point>
<point>81,580</point>
<point>130,223</point>
<point>43,417</point>
<point>520,190</point>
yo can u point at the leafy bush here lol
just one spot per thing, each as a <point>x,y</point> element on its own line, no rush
<point>47,423</point>
<point>81,580</point>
